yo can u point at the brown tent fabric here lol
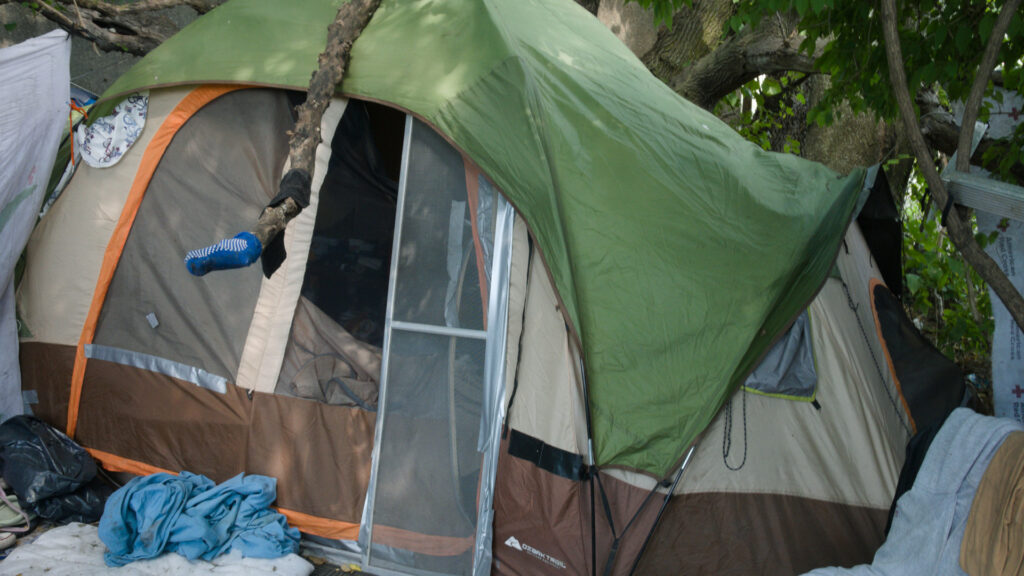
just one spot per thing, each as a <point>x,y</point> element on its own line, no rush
<point>993,543</point>
<point>733,534</point>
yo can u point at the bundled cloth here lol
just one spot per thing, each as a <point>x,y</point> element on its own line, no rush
<point>192,516</point>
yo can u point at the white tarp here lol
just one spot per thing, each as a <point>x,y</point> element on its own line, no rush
<point>1008,252</point>
<point>34,92</point>
<point>1007,339</point>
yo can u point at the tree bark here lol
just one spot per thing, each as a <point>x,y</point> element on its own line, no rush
<point>959,231</point>
<point>135,28</point>
<point>771,48</point>
<point>349,23</point>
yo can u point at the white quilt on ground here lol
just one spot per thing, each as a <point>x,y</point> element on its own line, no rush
<point>76,549</point>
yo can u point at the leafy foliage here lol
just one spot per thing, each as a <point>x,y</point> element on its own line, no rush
<point>937,294</point>
<point>764,106</point>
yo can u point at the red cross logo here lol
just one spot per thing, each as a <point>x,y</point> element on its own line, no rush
<point>1015,114</point>
<point>1017,391</point>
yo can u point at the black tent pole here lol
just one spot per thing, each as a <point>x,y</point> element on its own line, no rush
<point>661,511</point>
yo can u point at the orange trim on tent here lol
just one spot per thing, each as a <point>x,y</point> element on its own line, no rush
<point>473,195</point>
<point>306,523</point>
<point>885,349</point>
<point>326,528</point>
<point>116,463</point>
<point>185,109</point>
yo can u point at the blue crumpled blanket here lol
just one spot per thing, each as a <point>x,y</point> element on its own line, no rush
<point>192,516</point>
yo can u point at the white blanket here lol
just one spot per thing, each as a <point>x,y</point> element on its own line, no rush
<point>76,549</point>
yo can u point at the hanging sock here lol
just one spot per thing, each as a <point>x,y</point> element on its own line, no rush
<point>237,252</point>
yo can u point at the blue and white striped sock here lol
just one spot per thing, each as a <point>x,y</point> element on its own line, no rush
<point>237,252</point>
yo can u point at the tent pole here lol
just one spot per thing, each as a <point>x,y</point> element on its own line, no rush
<point>661,511</point>
<point>591,467</point>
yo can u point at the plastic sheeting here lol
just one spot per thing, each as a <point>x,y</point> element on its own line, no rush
<point>34,89</point>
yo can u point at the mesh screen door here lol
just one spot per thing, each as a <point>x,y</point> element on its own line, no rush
<point>432,468</point>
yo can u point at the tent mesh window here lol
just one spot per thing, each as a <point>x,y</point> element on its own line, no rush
<point>226,159</point>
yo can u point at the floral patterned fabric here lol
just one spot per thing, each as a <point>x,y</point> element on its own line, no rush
<point>105,141</point>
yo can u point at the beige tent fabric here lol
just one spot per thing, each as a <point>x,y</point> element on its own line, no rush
<point>272,321</point>
<point>794,449</point>
<point>993,543</point>
<point>548,404</point>
<point>66,249</point>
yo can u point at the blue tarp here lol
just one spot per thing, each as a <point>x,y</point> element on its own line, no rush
<point>192,516</point>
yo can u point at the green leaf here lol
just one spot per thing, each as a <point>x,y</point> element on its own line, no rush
<point>913,283</point>
<point>963,38</point>
<point>10,26</point>
<point>988,22</point>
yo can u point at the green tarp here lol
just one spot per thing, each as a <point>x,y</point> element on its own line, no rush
<point>679,249</point>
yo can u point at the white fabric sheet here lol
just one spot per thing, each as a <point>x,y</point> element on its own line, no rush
<point>34,91</point>
<point>76,549</point>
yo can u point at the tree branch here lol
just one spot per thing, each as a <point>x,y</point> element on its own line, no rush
<point>247,247</point>
<point>988,63</point>
<point>135,28</point>
<point>738,60</point>
<point>200,6</point>
<point>341,34</point>
<point>959,231</point>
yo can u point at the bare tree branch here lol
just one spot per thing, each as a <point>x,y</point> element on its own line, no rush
<point>347,26</point>
<point>200,6</point>
<point>959,231</point>
<point>135,28</point>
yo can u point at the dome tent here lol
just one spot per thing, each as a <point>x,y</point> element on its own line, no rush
<point>644,277</point>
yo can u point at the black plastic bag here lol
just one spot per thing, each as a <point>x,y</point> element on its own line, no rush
<point>49,472</point>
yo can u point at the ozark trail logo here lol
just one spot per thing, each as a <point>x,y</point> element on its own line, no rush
<point>514,543</point>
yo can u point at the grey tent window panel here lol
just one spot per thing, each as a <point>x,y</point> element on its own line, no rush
<point>788,370</point>
<point>214,178</point>
<point>439,378</point>
<point>197,376</point>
